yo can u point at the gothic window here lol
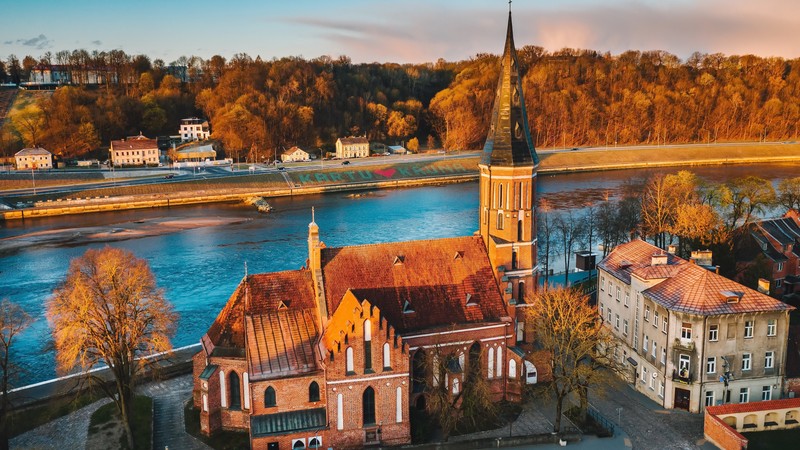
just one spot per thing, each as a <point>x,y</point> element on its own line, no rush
<point>269,397</point>
<point>349,357</point>
<point>521,295</point>
<point>513,260</point>
<point>517,131</point>
<point>500,220</point>
<point>368,407</point>
<point>367,345</point>
<point>313,392</point>
<point>236,396</point>
<point>387,358</point>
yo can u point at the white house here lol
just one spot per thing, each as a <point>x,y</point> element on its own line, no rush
<point>33,158</point>
<point>352,147</point>
<point>295,154</point>
<point>194,129</point>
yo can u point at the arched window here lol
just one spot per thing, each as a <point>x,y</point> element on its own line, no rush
<point>500,220</point>
<point>236,395</point>
<point>298,444</point>
<point>368,407</point>
<point>491,363</point>
<point>521,294</point>
<point>349,357</point>
<point>520,229</point>
<point>455,385</point>
<point>513,260</point>
<point>315,442</point>
<point>512,369</point>
<point>500,196</point>
<point>269,397</point>
<point>499,362</point>
<point>387,357</point>
<point>313,392</point>
<point>398,407</point>
<point>339,412</point>
<point>367,346</point>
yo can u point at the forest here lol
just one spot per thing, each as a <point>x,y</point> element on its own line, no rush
<point>257,108</point>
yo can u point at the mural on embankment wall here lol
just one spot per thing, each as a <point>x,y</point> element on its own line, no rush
<point>398,172</point>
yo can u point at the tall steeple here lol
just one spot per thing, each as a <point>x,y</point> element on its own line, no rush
<point>508,187</point>
<point>509,140</point>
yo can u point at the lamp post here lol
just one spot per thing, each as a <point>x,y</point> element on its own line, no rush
<point>33,179</point>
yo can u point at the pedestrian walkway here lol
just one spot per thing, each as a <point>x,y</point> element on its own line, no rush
<point>530,422</point>
<point>68,432</point>
<point>169,396</point>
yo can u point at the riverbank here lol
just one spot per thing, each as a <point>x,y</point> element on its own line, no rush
<point>384,174</point>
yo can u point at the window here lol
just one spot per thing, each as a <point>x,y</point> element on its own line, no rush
<point>664,325</point>
<point>368,407</point>
<point>602,283</point>
<point>236,395</point>
<point>635,341</point>
<point>349,364</point>
<point>269,397</point>
<point>499,372</point>
<point>746,361</point>
<point>744,395</point>
<point>618,291</point>
<point>601,311</point>
<point>780,266</point>
<point>646,344</point>
<point>627,298</point>
<point>711,365</point>
<point>660,388</point>
<point>500,220</point>
<point>683,365</point>
<point>769,360</point>
<point>313,392</point>
<point>616,322</point>
<point>455,386</point>
<point>771,327</point>
<point>625,327</point>
<point>663,355</point>
<point>387,357</point>
<point>686,330</point>
<point>655,319</point>
<point>652,384</point>
<point>748,329</point>
<point>367,346</point>
<point>779,283</point>
<point>766,393</point>
<point>709,398</point>
<point>644,374</point>
<point>713,333</point>
<point>609,315</point>
<point>491,362</point>
<point>647,313</point>
<point>315,442</point>
<point>654,353</point>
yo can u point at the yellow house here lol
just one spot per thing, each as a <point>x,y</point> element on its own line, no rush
<point>352,147</point>
<point>33,158</point>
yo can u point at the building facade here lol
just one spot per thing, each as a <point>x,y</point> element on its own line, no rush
<point>134,151</point>
<point>352,147</point>
<point>779,241</point>
<point>295,154</point>
<point>689,337</point>
<point>33,158</point>
<point>339,352</point>
<point>194,129</point>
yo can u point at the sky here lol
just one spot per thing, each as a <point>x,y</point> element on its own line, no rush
<point>406,31</point>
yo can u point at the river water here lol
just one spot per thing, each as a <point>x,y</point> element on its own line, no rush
<point>199,268</point>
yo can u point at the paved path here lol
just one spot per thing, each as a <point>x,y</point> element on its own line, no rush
<point>70,431</point>
<point>169,396</point>
<point>530,421</point>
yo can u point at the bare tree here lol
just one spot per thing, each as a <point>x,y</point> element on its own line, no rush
<point>568,233</point>
<point>578,345</point>
<point>544,223</point>
<point>13,320</point>
<point>109,311</point>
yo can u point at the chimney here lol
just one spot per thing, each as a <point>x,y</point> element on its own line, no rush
<point>672,249</point>
<point>658,259</point>
<point>702,257</point>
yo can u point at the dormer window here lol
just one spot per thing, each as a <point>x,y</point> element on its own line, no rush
<point>459,254</point>
<point>284,304</point>
<point>399,259</point>
<point>471,300</point>
<point>731,296</point>
<point>407,309</point>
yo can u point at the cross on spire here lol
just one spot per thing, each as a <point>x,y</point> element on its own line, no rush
<point>509,5</point>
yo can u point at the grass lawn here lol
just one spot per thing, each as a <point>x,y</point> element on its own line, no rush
<point>221,440</point>
<point>777,439</point>
<point>106,418</point>
<point>29,418</point>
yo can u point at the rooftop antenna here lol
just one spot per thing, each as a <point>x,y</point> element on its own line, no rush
<point>312,214</point>
<point>509,5</point>
<point>245,269</point>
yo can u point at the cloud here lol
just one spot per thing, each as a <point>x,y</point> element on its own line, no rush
<point>38,42</point>
<point>97,42</point>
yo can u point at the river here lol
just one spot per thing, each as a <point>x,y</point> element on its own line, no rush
<point>200,267</point>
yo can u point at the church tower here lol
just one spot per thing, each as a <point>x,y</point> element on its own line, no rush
<point>508,185</point>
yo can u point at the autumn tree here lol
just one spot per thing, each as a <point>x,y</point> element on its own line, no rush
<point>13,321</point>
<point>570,331</point>
<point>744,198</point>
<point>109,311</point>
<point>789,193</point>
<point>29,124</point>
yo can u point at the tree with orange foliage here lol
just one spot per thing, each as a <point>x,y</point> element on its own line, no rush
<point>13,321</point>
<point>109,311</point>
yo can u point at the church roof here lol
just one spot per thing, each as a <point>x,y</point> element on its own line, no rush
<point>266,293</point>
<point>281,343</point>
<point>509,140</point>
<point>417,284</point>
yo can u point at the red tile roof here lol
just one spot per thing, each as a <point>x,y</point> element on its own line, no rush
<point>32,151</point>
<point>266,292</point>
<point>281,343</point>
<point>425,277</point>
<point>734,408</point>
<point>687,287</point>
<point>354,140</point>
<point>637,255</point>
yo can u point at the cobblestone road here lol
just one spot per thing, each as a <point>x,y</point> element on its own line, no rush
<point>68,432</point>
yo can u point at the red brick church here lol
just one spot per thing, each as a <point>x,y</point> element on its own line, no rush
<point>334,354</point>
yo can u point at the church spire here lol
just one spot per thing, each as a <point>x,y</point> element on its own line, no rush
<point>509,140</point>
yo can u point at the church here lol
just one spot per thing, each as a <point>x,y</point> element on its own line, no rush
<point>337,353</point>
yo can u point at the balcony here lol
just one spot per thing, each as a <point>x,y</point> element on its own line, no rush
<point>683,376</point>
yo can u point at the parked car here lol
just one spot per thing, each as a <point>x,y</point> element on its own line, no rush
<point>169,176</point>
<point>344,163</point>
